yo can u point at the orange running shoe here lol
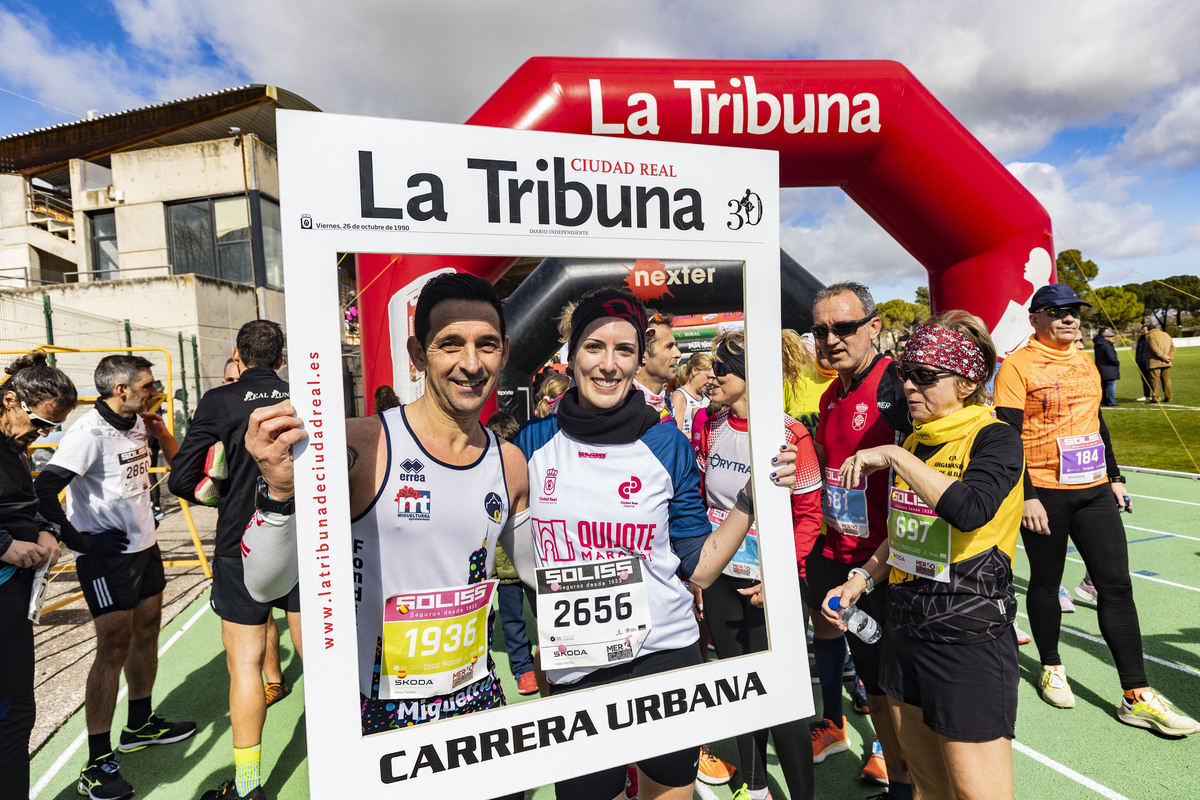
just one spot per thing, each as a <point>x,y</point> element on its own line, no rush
<point>527,684</point>
<point>875,769</point>
<point>712,770</point>
<point>828,739</point>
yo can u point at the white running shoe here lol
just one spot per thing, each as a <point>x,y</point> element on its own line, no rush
<point>1055,689</point>
<point>1087,591</point>
<point>1064,600</point>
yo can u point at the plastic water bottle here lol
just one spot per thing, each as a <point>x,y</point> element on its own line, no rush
<point>857,622</point>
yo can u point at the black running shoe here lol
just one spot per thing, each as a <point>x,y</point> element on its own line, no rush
<point>228,791</point>
<point>101,780</point>
<point>156,731</point>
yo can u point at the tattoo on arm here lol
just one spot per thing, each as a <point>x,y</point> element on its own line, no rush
<point>351,457</point>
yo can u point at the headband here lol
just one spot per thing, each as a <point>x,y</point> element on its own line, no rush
<point>735,361</point>
<point>935,346</point>
<point>608,303</point>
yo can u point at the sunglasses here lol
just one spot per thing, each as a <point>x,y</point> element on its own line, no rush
<point>40,423</point>
<point>721,369</point>
<point>1061,312</point>
<point>840,329</point>
<point>922,375</point>
<point>657,319</point>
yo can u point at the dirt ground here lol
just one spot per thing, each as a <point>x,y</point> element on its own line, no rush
<point>66,639</point>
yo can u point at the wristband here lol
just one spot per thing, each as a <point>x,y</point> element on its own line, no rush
<point>744,502</point>
<point>264,502</point>
<point>866,576</point>
<point>1117,479</point>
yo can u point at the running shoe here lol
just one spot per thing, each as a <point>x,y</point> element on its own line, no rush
<point>1022,636</point>
<point>875,769</point>
<point>1087,591</point>
<point>712,770</point>
<point>215,465</point>
<point>527,684</point>
<point>274,692</point>
<point>156,731</point>
<point>828,739</point>
<point>744,794</point>
<point>1155,712</point>
<point>631,783</point>
<point>859,698</point>
<point>228,791</point>
<point>101,780</point>
<point>1055,689</point>
<point>1064,600</point>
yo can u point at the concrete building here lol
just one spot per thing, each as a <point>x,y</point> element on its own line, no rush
<point>166,216</point>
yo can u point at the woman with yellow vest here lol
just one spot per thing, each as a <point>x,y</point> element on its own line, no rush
<point>949,661</point>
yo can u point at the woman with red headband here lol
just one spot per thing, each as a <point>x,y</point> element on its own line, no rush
<point>954,513</point>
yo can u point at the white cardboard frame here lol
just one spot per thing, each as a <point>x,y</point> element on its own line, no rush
<point>323,216</point>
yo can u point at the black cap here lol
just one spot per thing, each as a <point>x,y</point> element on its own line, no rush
<point>1056,294</point>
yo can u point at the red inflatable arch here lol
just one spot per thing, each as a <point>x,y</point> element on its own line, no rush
<point>869,127</point>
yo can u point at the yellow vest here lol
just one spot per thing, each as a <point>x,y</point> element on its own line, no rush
<point>956,434</point>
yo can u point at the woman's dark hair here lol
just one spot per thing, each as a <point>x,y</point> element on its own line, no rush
<point>35,381</point>
<point>385,398</point>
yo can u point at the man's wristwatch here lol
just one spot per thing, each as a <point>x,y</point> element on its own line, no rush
<point>264,502</point>
<point>866,576</point>
<point>1117,479</point>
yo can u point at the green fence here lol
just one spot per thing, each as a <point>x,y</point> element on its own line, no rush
<point>27,323</point>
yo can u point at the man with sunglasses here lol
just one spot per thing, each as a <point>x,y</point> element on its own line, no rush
<point>865,407</point>
<point>658,364</point>
<point>103,462</point>
<point>1051,391</point>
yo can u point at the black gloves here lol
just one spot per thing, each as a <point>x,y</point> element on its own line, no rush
<point>103,543</point>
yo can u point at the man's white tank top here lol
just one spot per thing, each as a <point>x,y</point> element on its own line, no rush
<point>431,526</point>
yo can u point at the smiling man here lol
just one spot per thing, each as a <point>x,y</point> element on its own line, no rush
<point>431,490</point>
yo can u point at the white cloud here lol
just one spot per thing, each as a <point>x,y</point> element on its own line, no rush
<point>1171,135</point>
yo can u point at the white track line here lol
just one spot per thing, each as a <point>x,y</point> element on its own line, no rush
<point>1066,771</point>
<point>70,752</point>
<point>704,792</point>
<point>1161,533</point>
<point>1138,575</point>
<point>1166,499</point>
<point>1097,640</point>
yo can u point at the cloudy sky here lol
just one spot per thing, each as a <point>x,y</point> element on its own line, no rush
<point>1094,107</point>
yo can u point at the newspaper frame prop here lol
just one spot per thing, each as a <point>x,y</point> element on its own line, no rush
<point>723,205</point>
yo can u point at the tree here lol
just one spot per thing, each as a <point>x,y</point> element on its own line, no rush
<point>1185,294</point>
<point>923,297</point>
<point>1117,307</point>
<point>899,317</point>
<point>1077,273</point>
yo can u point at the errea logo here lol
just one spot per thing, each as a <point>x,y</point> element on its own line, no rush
<point>411,470</point>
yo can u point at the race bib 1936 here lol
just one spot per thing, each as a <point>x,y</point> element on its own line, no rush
<point>593,614</point>
<point>918,538</point>
<point>434,641</point>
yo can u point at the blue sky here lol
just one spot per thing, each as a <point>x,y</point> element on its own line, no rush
<point>1098,114</point>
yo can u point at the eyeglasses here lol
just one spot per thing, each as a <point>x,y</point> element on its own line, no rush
<point>657,319</point>
<point>721,369</point>
<point>921,375</point>
<point>1060,312</point>
<point>840,329</point>
<point>40,423</point>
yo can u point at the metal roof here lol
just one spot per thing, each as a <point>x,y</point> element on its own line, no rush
<point>45,152</point>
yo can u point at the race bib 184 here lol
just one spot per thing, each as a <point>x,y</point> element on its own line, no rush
<point>592,615</point>
<point>434,641</point>
<point>1081,459</point>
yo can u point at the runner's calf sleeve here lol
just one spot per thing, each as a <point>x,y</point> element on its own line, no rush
<point>517,541</point>
<point>269,555</point>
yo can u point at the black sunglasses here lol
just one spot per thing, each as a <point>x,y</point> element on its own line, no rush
<point>1060,312</point>
<point>840,329</point>
<point>41,423</point>
<point>721,369</point>
<point>922,375</point>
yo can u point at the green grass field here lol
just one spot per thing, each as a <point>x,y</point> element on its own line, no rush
<point>1152,436</point>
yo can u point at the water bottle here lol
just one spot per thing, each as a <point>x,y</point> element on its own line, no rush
<point>857,622</point>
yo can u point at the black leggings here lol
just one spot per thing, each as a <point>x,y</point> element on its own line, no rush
<point>1091,518</point>
<point>738,628</point>
<point>17,708</point>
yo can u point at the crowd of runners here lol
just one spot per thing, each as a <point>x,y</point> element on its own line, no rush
<point>910,483</point>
